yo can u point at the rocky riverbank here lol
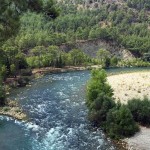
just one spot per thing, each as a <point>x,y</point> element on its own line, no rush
<point>47,70</point>
<point>12,109</point>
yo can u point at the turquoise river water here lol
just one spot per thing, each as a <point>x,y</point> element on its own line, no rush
<point>55,105</point>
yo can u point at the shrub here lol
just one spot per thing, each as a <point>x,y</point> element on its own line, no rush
<point>98,84</point>
<point>140,110</point>
<point>99,96</point>
<point>120,123</point>
<point>114,61</point>
<point>133,63</point>
<point>99,107</point>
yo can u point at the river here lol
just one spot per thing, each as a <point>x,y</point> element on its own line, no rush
<point>55,105</point>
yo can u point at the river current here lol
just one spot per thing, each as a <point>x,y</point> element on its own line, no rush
<point>55,105</point>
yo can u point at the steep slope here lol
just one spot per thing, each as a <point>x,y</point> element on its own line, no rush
<point>90,47</point>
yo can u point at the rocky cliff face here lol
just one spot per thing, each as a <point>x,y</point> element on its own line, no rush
<point>90,47</point>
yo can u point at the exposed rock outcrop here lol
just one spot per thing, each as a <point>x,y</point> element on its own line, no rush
<point>90,47</point>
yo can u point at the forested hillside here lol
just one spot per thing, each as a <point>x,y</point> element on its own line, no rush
<point>127,23</point>
<point>36,44</point>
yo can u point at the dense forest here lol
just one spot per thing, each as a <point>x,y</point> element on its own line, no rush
<point>32,33</point>
<point>108,21</point>
<point>119,21</point>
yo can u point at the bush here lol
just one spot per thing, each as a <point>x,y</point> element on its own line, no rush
<point>117,120</point>
<point>120,123</point>
<point>98,84</point>
<point>99,107</point>
<point>114,61</point>
<point>99,96</point>
<point>133,63</point>
<point>140,110</point>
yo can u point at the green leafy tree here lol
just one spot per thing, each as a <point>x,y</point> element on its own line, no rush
<point>77,57</point>
<point>13,70</point>
<point>102,56</point>
<point>38,51</point>
<point>53,54</point>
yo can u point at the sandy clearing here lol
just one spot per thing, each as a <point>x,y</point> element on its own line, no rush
<point>128,86</point>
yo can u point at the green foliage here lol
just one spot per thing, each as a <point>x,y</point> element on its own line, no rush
<point>103,57</point>
<point>52,56</point>
<point>140,110</point>
<point>99,96</point>
<point>146,57</point>
<point>101,33</point>
<point>133,63</point>
<point>111,23</point>
<point>99,108</point>
<point>3,72</point>
<point>13,70</point>
<point>138,4</point>
<point>20,61</point>
<point>120,123</point>
<point>98,84</point>
<point>117,120</point>
<point>114,61</point>
<point>77,57</point>
<point>45,57</point>
<point>122,25</point>
<point>2,93</point>
<point>10,11</point>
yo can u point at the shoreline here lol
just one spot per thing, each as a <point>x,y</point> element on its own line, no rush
<point>127,86</point>
<point>130,85</point>
<point>14,111</point>
<point>47,70</point>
